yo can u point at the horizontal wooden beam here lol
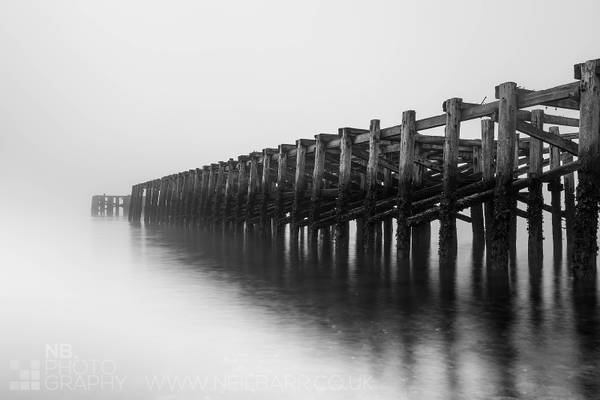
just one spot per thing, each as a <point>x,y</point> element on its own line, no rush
<point>553,97</point>
<point>550,138</point>
<point>525,115</point>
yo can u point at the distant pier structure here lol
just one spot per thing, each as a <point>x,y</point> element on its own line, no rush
<point>392,182</point>
<point>110,205</point>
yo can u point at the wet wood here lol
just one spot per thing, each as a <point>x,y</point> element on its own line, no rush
<point>503,199</point>
<point>535,198</point>
<point>447,234</point>
<point>588,192</point>
<point>555,189</point>
<point>405,179</point>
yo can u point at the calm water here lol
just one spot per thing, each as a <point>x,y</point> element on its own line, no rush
<point>109,310</point>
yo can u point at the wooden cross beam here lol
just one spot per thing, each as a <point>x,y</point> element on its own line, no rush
<point>548,137</point>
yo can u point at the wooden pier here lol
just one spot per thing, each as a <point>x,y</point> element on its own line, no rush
<point>396,180</point>
<point>110,205</point>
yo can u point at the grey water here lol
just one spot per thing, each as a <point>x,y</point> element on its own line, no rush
<point>101,308</point>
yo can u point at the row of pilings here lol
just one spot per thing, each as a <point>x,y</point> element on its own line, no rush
<point>110,205</point>
<point>398,176</point>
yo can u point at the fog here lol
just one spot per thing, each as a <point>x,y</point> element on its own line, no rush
<point>97,96</point>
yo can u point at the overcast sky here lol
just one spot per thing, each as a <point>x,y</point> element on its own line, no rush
<point>98,95</point>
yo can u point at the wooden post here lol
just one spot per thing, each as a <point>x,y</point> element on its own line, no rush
<point>210,194</point>
<point>253,187</point>
<point>133,214</point>
<point>299,187</point>
<point>154,202</point>
<point>265,220</point>
<point>147,201</point>
<point>503,196</point>
<point>341,225</point>
<point>109,206</point>
<point>196,196</point>
<point>555,188</point>
<point>229,192</point>
<point>447,205</point>
<point>159,201</point>
<point>487,174</point>
<point>117,205</point>
<point>141,201</point>
<point>162,201</point>
<point>218,194</point>
<point>126,205</point>
<point>131,209</point>
<point>282,183</point>
<point>171,200</point>
<point>569,183</point>
<point>536,200</point>
<point>93,207</point>
<point>176,199</point>
<point>181,198</point>
<point>388,187</point>
<point>372,185</point>
<point>204,195</point>
<point>242,191</point>
<point>317,185</point>
<point>588,192</point>
<point>477,210</point>
<point>405,179</point>
<point>189,196</point>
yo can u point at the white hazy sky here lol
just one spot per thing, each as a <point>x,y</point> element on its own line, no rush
<point>98,95</point>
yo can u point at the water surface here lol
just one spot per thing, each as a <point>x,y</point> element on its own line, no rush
<point>178,314</point>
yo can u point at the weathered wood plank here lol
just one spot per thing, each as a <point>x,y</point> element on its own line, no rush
<point>547,137</point>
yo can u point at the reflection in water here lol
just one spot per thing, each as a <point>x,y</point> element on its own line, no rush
<point>422,328</point>
<point>170,302</point>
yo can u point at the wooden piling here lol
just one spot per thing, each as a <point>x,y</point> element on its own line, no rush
<point>253,188</point>
<point>242,192</point>
<point>210,194</point>
<point>218,194</point>
<point>477,223</point>
<point>447,233</point>
<point>109,206</point>
<point>555,188</point>
<point>588,187</point>
<point>126,206</point>
<point>299,187</point>
<point>171,194</point>
<point>373,187</point>
<point>388,187</point>
<point>282,185</point>
<point>265,187</point>
<point>147,199</point>
<point>230,184</point>
<point>344,176</point>
<point>408,132</point>
<point>536,200</point>
<point>569,185</point>
<point>317,185</point>
<point>503,196</point>
<point>204,195</point>
<point>487,174</point>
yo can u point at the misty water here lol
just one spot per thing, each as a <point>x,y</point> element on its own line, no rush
<point>113,310</point>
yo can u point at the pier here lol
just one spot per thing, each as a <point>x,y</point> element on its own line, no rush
<point>393,181</point>
<point>110,205</point>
